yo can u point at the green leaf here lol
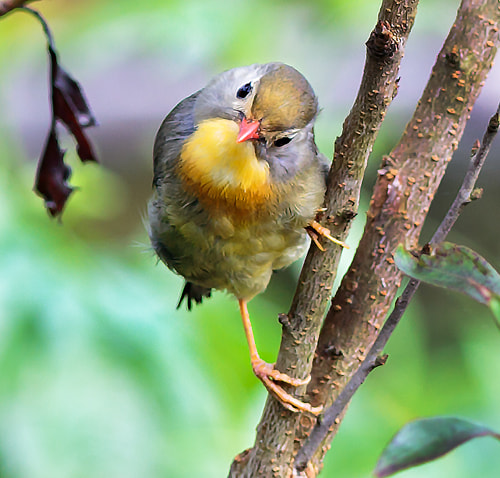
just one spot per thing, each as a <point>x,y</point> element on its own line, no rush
<point>425,440</point>
<point>454,267</point>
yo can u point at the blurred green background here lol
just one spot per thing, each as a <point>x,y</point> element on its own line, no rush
<point>99,374</point>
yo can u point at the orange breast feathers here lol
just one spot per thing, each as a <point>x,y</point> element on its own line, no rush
<point>222,173</point>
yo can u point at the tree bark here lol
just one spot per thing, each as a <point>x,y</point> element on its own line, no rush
<point>408,179</point>
<point>275,444</point>
<point>407,182</point>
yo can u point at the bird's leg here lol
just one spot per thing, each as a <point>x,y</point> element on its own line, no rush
<point>315,228</point>
<point>268,375</point>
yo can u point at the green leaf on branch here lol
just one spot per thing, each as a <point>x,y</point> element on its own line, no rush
<point>454,267</point>
<point>425,440</point>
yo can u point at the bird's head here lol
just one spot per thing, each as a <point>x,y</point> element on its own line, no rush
<point>274,107</point>
<point>253,134</point>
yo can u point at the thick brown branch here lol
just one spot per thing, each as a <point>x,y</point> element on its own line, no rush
<point>275,444</point>
<point>407,182</point>
<point>373,358</point>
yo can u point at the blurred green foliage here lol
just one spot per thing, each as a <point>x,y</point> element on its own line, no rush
<point>99,374</point>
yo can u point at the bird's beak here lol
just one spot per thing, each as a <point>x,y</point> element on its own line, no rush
<point>248,130</point>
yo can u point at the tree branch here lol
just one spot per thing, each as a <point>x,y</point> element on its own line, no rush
<point>373,358</point>
<point>465,194</point>
<point>8,5</point>
<point>275,444</point>
<point>407,182</point>
<point>45,26</point>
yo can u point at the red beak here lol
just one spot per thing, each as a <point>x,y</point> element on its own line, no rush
<point>248,130</point>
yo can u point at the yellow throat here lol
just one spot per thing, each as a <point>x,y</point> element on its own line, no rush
<point>221,172</point>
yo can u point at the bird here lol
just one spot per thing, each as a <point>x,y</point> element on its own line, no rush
<point>238,181</point>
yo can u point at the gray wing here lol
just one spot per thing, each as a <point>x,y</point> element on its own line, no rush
<point>176,127</point>
<point>171,204</point>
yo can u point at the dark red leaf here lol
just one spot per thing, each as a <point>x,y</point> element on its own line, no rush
<point>64,113</point>
<point>73,94</point>
<point>52,175</point>
<point>71,108</point>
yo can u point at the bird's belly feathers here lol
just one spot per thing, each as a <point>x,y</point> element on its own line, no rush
<point>221,223</point>
<point>222,254</point>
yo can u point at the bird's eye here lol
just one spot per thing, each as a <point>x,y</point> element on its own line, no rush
<point>244,91</point>
<point>282,141</point>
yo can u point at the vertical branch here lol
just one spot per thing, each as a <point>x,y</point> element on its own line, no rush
<point>374,358</point>
<point>275,444</point>
<point>406,185</point>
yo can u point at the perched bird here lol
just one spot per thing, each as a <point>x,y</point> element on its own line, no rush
<point>237,180</point>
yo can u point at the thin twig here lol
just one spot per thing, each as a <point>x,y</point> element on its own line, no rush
<point>372,359</point>
<point>464,194</point>
<point>45,26</point>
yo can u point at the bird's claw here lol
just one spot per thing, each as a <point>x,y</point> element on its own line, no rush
<point>315,228</point>
<point>269,376</point>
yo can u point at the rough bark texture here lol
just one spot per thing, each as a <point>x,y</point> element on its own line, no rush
<point>276,444</point>
<point>407,182</point>
<point>406,185</point>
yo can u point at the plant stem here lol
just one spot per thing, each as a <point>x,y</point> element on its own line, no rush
<point>45,26</point>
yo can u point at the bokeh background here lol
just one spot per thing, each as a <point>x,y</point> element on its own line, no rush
<point>99,374</point>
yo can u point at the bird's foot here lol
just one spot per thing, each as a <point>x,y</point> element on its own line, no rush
<point>315,229</point>
<point>269,376</point>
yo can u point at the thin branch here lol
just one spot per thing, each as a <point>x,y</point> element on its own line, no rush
<point>275,444</point>
<point>45,26</point>
<point>373,358</point>
<point>322,427</point>
<point>408,180</point>
<point>464,195</point>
